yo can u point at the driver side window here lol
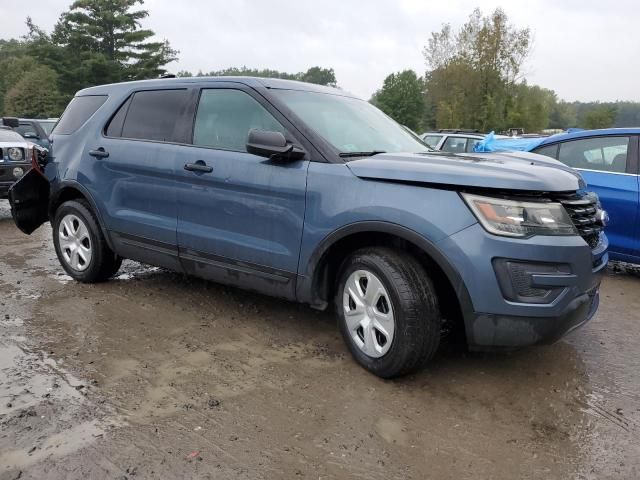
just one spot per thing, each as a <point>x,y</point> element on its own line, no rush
<point>225,117</point>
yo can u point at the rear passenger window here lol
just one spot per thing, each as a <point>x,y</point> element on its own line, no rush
<point>605,154</point>
<point>153,115</point>
<point>548,151</point>
<point>455,144</point>
<point>77,112</point>
<point>471,143</point>
<point>225,117</point>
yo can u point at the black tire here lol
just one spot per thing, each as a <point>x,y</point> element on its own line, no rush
<point>104,263</point>
<point>414,306</point>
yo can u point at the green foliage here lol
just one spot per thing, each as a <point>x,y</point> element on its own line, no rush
<point>402,98</point>
<point>34,94</point>
<point>601,117</point>
<point>317,75</point>
<point>563,115</point>
<point>111,31</point>
<point>530,107</point>
<point>95,42</point>
<point>472,73</point>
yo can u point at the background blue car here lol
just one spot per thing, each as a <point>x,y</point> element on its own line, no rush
<point>608,161</point>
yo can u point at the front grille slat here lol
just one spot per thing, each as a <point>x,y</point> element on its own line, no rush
<point>582,210</point>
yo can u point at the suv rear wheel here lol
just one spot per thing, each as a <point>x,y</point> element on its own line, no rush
<point>387,311</point>
<point>80,244</point>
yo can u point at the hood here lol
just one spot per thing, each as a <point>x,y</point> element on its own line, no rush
<point>500,170</point>
<point>17,144</point>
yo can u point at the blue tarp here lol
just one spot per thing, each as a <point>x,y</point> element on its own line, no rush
<point>492,144</point>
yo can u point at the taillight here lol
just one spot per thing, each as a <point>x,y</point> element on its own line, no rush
<point>38,158</point>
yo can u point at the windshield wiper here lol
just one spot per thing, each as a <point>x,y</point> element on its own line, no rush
<point>361,154</point>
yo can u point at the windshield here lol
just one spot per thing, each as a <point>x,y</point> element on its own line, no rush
<point>350,124</point>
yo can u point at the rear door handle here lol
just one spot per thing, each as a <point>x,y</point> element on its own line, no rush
<point>99,153</point>
<point>199,166</point>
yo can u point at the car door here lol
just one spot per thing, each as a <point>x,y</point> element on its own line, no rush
<point>609,166</point>
<point>135,162</point>
<point>240,216</point>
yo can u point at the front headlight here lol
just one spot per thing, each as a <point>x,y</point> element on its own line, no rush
<point>514,218</point>
<point>15,154</point>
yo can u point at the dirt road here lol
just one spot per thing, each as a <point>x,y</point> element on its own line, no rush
<point>154,375</point>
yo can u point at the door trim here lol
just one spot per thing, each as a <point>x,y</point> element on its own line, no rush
<point>268,273</point>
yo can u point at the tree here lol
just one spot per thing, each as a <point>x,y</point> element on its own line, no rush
<point>402,98</point>
<point>472,73</point>
<point>108,43</point>
<point>530,107</point>
<point>34,95</point>
<point>317,75</point>
<point>563,115</point>
<point>601,117</point>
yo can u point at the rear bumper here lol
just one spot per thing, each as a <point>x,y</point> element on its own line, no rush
<point>495,319</point>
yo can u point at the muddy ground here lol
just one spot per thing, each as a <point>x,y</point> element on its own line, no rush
<point>154,375</point>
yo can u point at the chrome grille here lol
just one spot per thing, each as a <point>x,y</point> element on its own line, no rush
<point>583,209</point>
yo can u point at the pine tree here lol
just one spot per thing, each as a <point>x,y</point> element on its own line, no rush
<point>109,43</point>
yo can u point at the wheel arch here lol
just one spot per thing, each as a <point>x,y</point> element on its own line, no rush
<point>71,190</point>
<point>317,283</point>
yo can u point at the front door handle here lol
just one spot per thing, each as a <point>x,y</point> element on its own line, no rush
<point>99,152</point>
<point>199,166</point>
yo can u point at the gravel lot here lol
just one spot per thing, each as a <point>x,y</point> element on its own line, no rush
<point>155,375</point>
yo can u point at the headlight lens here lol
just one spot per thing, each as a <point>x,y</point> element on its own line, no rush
<point>18,172</point>
<point>15,154</point>
<point>513,218</point>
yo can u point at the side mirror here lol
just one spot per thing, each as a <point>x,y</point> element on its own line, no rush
<point>272,145</point>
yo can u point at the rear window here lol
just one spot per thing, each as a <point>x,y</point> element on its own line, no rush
<point>151,115</point>
<point>78,112</point>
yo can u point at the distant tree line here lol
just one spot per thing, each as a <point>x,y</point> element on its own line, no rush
<point>318,75</point>
<point>473,77</point>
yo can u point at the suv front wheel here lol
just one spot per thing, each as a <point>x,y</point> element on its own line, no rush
<point>387,311</point>
<point>80,245</point>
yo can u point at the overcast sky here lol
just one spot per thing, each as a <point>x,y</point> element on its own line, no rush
<point>583,49</point>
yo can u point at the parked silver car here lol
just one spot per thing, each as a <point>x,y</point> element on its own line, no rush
<point>454,141</point>
<point>15,158</point>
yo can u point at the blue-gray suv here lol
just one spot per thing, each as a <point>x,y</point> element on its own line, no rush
<point>309,194</point>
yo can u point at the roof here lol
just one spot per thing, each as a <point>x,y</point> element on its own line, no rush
<point>255,82</point>
<point>559,137</point>
<point>456,134</point>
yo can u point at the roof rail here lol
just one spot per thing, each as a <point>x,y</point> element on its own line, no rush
<point>458,130</point>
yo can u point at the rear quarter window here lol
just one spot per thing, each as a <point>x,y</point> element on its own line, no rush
<point>548,151</point>
<point>78,112</point>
